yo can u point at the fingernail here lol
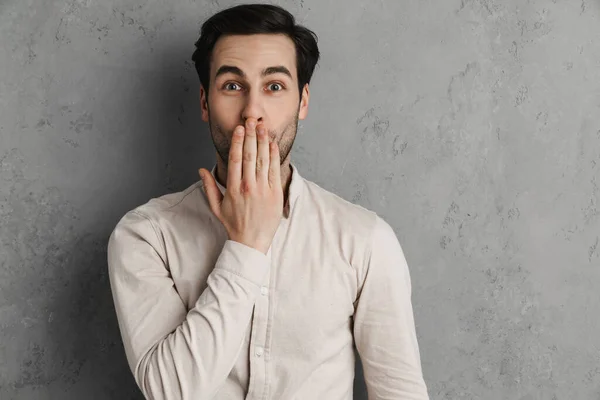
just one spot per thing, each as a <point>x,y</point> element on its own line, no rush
<point>251,124</point>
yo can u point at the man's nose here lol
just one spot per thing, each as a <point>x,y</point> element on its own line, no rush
<point>253,108</point>
<point>257,120</point>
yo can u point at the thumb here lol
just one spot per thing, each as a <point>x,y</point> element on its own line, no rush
<point>212,191</point>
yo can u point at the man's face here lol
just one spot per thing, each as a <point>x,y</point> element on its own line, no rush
<point>249,79</point>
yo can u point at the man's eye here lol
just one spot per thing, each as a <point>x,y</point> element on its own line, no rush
<point>229,85</point>
<point>278,87</point>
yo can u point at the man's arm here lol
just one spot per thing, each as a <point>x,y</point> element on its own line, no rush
<point>173,353</point>
<point>384,328</point>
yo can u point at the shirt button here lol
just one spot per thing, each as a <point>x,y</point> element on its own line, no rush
<point>259,351</point>
<point>264,290</point>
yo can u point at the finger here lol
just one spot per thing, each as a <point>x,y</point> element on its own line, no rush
<point>263,157</point>
<point>234,169</point>
<point>274,167</point>
<point>213,194</point>
<point>249,158</point>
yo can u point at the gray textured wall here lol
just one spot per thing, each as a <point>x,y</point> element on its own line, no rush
<point>472,126</point>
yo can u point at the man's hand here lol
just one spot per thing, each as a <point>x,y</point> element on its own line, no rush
<point>252,206</point>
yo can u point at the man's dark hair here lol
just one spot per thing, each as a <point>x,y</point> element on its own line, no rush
<point>248,19</point>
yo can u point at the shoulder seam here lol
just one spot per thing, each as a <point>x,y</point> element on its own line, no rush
<point>372,236</point>
<point>366,267</point>
<point>167,207</point>
<point>191,190</point>
<point>155,229</point>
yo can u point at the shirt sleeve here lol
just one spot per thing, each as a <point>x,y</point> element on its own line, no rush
<point>174,353</point>
<point>384,328</point>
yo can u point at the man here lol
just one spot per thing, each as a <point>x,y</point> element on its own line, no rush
<point>255,283</point>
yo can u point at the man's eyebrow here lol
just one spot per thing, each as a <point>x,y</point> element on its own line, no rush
<point>232,69</point>
<point>279,69</point>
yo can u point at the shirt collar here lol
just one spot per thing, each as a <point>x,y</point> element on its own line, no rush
<point>295,188</point>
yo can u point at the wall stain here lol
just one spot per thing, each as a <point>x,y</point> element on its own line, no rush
<point>71,143</point>
<point>378,137</point>
<point>489,6</point>
<point>592,252</point>
<point>42,122</point>
<point>522,95</point>
<point>590,212</point>
<point>84,122</point>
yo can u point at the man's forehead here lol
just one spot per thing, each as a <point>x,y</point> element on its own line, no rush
<point>258,39</point>
<point>254,53</point>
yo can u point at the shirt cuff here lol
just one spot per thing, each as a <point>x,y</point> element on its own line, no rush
<point>244,261</point>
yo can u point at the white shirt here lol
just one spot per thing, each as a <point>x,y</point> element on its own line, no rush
<point>205,317</point>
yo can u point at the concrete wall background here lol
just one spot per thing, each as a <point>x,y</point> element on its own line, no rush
<point>472,126</point>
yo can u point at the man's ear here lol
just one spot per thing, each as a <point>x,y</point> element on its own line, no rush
<point>304,98</point>
<point>204,103</point>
